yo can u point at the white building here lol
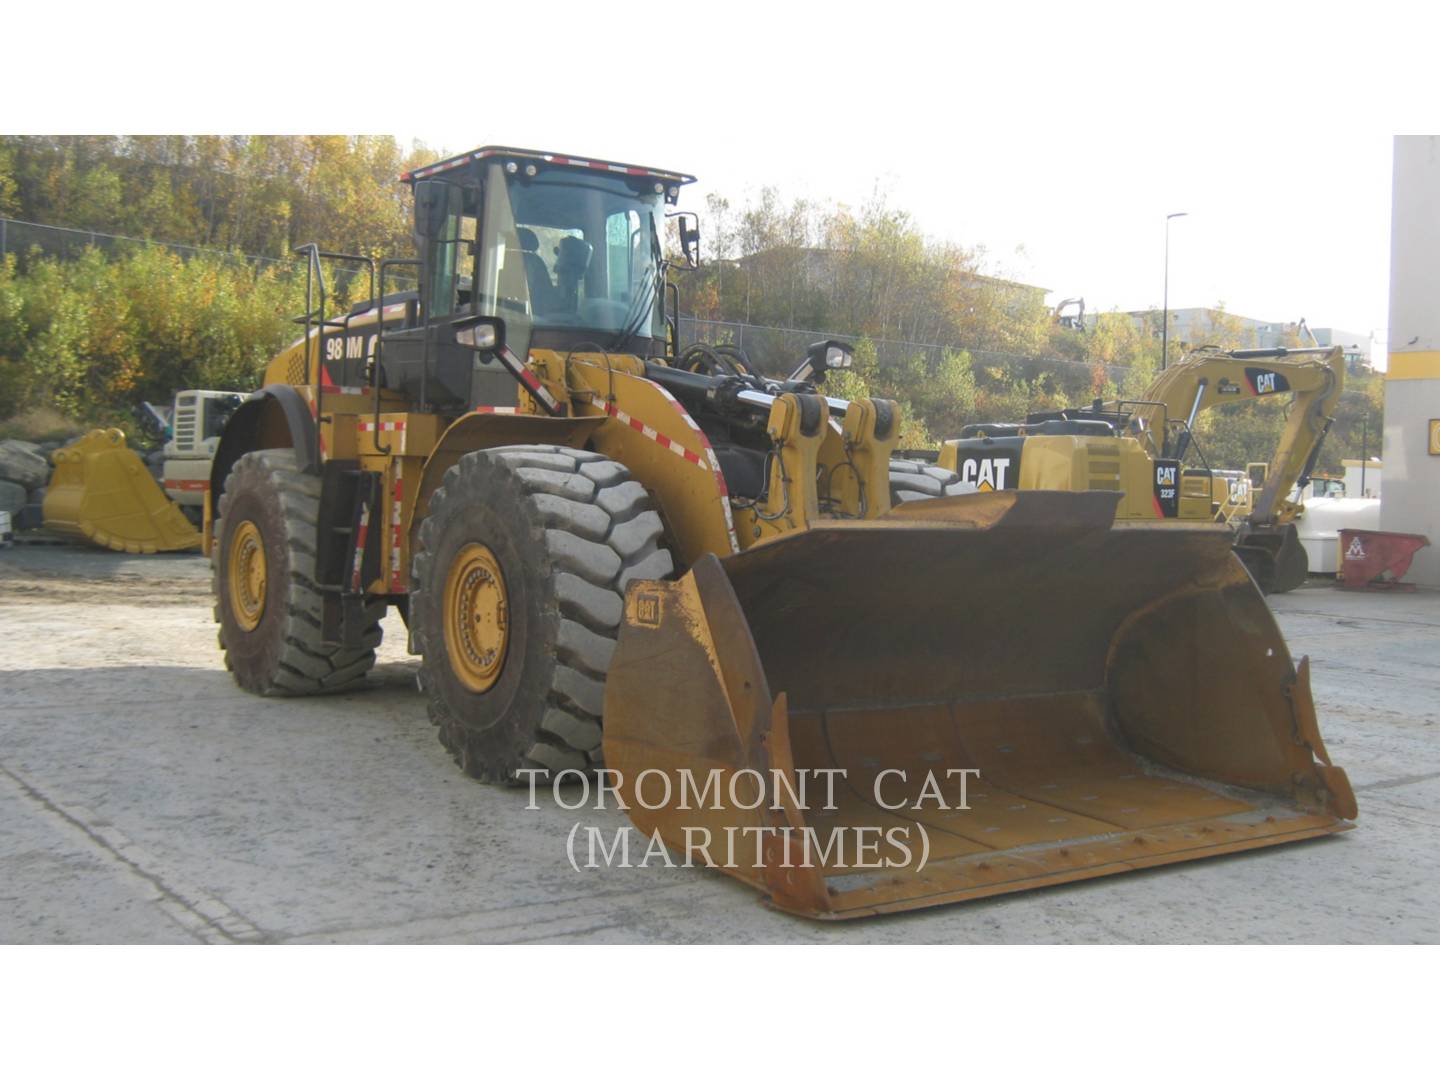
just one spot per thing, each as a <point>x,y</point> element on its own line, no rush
<point>1412,379</point>
<point>1192,327</point>
<point>1356,346</point>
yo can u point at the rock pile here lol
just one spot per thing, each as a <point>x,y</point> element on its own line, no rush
<point>24,471</point>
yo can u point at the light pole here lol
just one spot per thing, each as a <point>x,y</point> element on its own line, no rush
<point>1165,314</point>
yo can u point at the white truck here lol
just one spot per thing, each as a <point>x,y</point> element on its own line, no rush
<point>192,427</point>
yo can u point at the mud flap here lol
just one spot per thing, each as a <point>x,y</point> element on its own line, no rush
<point>102,492</point>
<point>971,696</point>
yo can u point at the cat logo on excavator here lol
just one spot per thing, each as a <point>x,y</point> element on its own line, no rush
<point>986,473</point>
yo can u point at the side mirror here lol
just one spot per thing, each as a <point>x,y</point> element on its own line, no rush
<point>483,333</point>
<point>689,226</point>
<point>432,201</point>
<point>837,357</point>
<point>822,357</point>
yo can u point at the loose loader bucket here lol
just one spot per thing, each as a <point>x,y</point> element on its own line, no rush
<point>102,492</point>
<point>971,696</point>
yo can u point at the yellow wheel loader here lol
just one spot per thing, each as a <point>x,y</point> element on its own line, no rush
<point>1140,449</point>
<point>659,568</point>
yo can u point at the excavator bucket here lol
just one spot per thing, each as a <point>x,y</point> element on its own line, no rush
<point>102,492</point>
<point>970,696</point>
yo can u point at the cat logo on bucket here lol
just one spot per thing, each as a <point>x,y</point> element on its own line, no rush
<point>647,609</point>
<point>987,474</point>
<point>1356,550</point>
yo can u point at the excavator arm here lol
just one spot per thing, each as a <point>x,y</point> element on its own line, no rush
<point>1209,378</point>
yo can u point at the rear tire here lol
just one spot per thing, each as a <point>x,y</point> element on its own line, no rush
<point>910,480</point>
<point>263,574</point>
<point>567,530</point>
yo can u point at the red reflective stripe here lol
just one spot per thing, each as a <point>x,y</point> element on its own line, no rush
<point>1159,510</point>
<point>396,507</point>
<point>360,548</point>
<point>709,462</point>
<point>661,438</point>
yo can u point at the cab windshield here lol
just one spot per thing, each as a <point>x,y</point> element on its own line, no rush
<point>574,251</point>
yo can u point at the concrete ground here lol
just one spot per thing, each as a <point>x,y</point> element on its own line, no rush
<point>143,798</point>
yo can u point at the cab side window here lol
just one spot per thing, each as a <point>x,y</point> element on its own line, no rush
<point>452,257</point>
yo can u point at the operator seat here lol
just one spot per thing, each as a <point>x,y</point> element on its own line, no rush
<point>544,298</point>
<point>572,260</point>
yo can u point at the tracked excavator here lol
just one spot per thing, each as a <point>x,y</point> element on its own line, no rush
<point>1147,450</point>
<point>616,553</point>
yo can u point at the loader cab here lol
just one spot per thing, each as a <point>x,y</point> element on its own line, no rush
<point>568,253</point>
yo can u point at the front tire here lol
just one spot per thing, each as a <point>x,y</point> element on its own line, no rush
<point>263,573</point>
<point>517,591</point>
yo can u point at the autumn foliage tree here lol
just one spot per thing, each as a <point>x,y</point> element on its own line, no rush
<point>258,194</point>
<point>941,328</point>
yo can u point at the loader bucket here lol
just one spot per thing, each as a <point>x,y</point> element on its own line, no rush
<point>1111,695</point>
<point>102,492</point>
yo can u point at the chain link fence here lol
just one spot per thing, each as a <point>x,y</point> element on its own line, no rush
<point>777,350</point>
<point>21,238</point>
<point>774,350</point>
<point>346,283</point>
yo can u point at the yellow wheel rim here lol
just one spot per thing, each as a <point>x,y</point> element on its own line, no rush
<point>477,623</point>
<point>246,572</point>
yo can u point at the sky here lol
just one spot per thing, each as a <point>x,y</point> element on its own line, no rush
<point>1269,237</point>
<point>1058,136</point>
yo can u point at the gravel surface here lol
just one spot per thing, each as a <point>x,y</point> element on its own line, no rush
<point>143,798</point>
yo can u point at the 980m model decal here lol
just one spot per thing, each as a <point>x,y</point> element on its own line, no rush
<point>352,347</point>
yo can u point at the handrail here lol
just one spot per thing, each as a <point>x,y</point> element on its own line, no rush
<point>380,345</point>
<point>315,282</point>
